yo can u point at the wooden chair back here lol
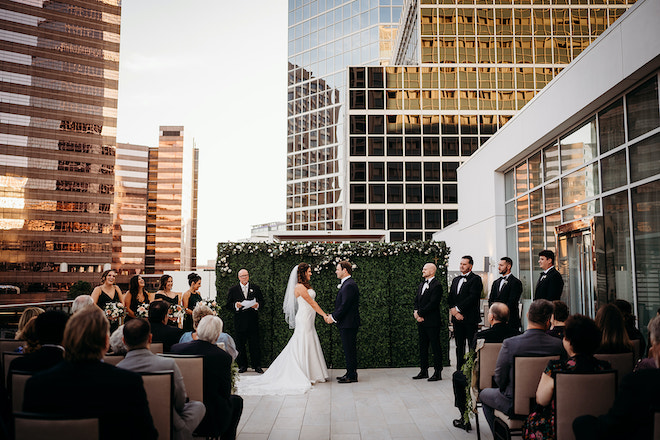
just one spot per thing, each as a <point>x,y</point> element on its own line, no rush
<point>30,426</point>
<point>7,357</point>
<point>156,347</point>
<point>192,370</point>
<point>159,387</point>
<point>113,359</point>
<point>487,360</point>
<point>581,394</point>
<point>18,380</point>
<point>622,363</point>
<point>527,372</point>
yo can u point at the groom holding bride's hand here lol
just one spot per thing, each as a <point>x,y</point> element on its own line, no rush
<point>347,317</point>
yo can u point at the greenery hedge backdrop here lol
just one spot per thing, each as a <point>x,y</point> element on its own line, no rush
<point>387,275</point>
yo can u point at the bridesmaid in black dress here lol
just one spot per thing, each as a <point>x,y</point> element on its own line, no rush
<point>190,299</point>
<point>108,293</point>
<point>165,293</point>
<point>135,296</point>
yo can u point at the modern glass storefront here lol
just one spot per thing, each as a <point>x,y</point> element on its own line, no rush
<point>592,194</point>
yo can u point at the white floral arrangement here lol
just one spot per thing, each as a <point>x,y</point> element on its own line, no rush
<point>114,311</point>
<point>142,310</point>
<point>213,305</point>
<point>176,312</point>
<point>330,253</point>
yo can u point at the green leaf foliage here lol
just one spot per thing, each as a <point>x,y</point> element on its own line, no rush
<point>387,274</point>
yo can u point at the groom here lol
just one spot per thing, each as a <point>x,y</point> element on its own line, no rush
<point>347,317</point>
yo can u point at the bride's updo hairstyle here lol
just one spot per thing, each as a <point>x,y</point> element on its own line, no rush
<point>302,275</point>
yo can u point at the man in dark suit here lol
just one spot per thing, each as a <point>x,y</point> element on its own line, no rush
<point>507,289</point>
<point>464,296</point>
<point>137,337</point>
<point>534,342</point>
<point>427,315</point>
<point>347,317</point>
<point>246,320</point>
<point>84,386</point>
<point>49,327</point>
<point>499,330</point>
<point>550,284</point>
<point>161,332</point>
<point>631,415</point>
<point>223,409</point>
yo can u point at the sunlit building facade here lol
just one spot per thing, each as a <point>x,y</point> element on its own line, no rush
<point>130,210</point>
<point>170,189</point>
<point>59,70</point>
<point>324,37</point>
<point>459,72</point>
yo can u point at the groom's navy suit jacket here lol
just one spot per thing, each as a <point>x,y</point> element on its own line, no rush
<point>347,313</point>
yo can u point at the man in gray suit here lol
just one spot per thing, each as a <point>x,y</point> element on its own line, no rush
<point>137,337</point>
<point>534,342</point>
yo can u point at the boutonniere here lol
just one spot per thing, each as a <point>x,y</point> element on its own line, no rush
<point>339,286</point>
<point>251,290</point>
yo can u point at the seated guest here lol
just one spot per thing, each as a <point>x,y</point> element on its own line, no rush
<point>499,330</point>
<point>629,319</point>
<point>81,302</point>
<point>27,314</point>
<point>223,409</point>
<point>117,346</point>
<point>534,342</point>
<point>611,323</point>
<point>199,312</point>
<point>137,337</point>
<point>631,415</point>
<point>162,332</point>
<point>29,336</point>
<point>49,330</point>
<point>83,386</point>
<point>559,315</point>
<point>581,340</point>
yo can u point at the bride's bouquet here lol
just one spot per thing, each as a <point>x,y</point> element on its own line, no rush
<point>114,311</point>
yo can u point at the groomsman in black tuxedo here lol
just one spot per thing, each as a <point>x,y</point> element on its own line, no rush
<point>347,317</point>
<point>246,320</point>
<point>550,284</point>
<point>507,289</point>
<point>427,314</point>
<point>464,296</point>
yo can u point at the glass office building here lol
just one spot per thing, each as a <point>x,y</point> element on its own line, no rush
<point>460,71</point>
<point>59,70</point>
<point>325,36</point>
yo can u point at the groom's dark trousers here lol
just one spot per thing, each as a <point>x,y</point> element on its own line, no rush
<point>347,317</point>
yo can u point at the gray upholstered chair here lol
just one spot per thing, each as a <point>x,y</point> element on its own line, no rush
<point>623,363</point>
<point>581,394</point>
<point>192,370</point>
<point>18,380</point>
<point>7,357</point>
<point>487,361</point>
<point>159,387</point>
<point>31,426</point>
<point>156,347</point>
<point>113,359</point>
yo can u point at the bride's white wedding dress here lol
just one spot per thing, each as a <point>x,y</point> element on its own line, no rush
<point>298,366</point>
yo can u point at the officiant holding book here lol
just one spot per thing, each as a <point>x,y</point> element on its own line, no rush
<point>245,299</point>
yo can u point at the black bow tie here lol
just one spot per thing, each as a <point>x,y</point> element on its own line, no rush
<point>462,276</point>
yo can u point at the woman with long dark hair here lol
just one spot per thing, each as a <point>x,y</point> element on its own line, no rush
<point>612,324</point>
<point>135,296</point>
<point>108,292</point>
<point>301,362</point>
<point>165,293</point>
<point>190,299</point>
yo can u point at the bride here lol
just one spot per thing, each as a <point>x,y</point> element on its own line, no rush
<point>301,363</point>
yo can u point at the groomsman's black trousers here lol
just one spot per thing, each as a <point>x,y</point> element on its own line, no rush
<point>349,344</point>
<point>429,336</point>
<point>463,334</point>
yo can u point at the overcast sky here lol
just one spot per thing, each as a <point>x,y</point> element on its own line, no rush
<point>219,69</point>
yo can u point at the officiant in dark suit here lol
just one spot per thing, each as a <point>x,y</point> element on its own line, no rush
<point>246,320</point>
<point>427,315</point>
<point>550,284</point>
<point>347,317</point>
<point>507,289</point>
<point>464,296</point>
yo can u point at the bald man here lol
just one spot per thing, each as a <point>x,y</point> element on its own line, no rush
<point>246,320</point>
<point>427,315</point>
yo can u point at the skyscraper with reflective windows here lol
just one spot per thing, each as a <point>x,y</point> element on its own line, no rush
<point>59,71</point>
<point>324,37</point>
<point>459,71</point>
